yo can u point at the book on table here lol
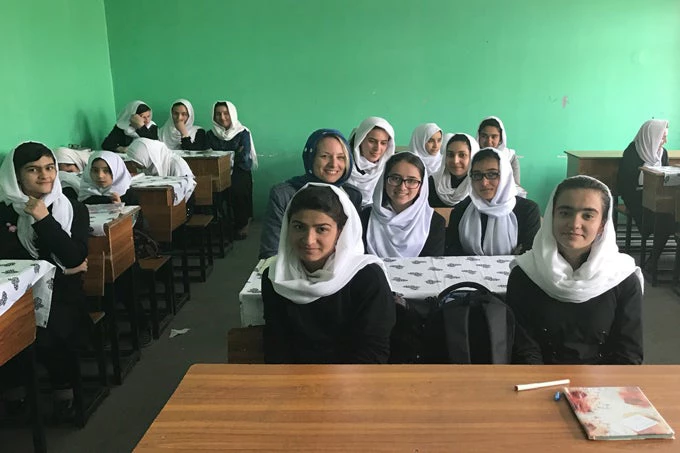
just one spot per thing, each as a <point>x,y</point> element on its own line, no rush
<point>617,413</point>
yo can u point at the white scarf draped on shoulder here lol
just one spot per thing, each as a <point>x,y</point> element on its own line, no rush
<point>648,143</point>
<point>501,234</point>
<point>11,193</point>
<point>291,280</point>
<point>604,269</point>
<point>119,172</point>
<point>368,174</point>
<point>419,138</point>
<point>157,158</point>
<point>235,129</point>
<point>169,134</point>
<point>442,178</point>
<point>123,121</point>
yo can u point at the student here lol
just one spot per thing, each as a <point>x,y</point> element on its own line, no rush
<point>39,222</point>
<point>325,301</point>
<point>155,159</point>
<point>71,164</point>
<point>133,122</point>
<point>491,134</point>
<point>327,160</point>
<point>401,223</point>
<point>179,131</point>
<point>577,297</point>
<point>646,150</point>
<point>228,134</point>
<point>372,144</point>
<point>451,184</point>
<point>492,220</point>
<point>426,141</point>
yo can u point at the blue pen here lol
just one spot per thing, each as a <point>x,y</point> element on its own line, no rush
<point>557,396</point>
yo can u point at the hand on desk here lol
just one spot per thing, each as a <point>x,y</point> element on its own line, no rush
<point>75,270</point>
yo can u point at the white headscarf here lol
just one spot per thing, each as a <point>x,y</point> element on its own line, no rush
<point>169,134</point>
<point>11,193</point>
<point>442,178</point>
<point>119,172</point>
<point>72,156</point>
<point>292,281</point>
<point>157,158</point>
<point>604,269</point>
<point>501,226</point>
<point>503,145</point>
<point>123,121</point>
<point>368,174</point>
<point>235,129</point>
<point>69,179</point>
<point>389,234</point>
<point>419,138</point>
<point>648,142</point>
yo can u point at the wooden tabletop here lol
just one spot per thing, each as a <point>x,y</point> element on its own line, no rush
<point>412,408</point>
<point>673,154</point>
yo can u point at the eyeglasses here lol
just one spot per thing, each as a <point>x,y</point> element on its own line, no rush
<point>490,175</point>
<point>396,180</point>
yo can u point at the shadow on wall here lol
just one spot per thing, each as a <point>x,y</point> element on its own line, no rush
<point>81,131</point>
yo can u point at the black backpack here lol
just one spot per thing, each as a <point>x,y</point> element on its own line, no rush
<point>465,324</point>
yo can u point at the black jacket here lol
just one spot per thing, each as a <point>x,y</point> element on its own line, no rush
<point>433,197</point>
<point>118,138</point>
<point>604,330</point>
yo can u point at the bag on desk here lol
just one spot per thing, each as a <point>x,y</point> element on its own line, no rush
<point>466,323</point>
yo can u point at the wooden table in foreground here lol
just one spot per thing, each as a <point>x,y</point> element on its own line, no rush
<point>395,408</point>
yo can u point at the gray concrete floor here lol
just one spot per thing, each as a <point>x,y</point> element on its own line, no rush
<point>125,415</point>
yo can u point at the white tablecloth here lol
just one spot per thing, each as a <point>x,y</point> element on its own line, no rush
<point>182,186</point>
<point>415,278</point>
<point>101,214</point>
<point>18,276</point>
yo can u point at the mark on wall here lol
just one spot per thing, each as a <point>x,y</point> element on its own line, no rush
<point>565,101</point>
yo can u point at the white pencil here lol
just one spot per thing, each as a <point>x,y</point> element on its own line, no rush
<point>539,385</point>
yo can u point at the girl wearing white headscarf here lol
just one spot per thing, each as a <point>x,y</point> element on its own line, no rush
<point>37,221</point>
<point>179,131</point>
<point>426,142</point>
<point>491,134</point>
<point>492,220</point>
<point>228,134</point>
<point>451,184</point>
<point>71,160</point>
<point>372,144</point>
<point>401,223</point>
<point>133,122</point>
<point>106,180</point>
<point>325,301</point>
<point>157,159</point>
<point>577,297</point>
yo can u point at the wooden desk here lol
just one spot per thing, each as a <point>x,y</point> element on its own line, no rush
<point>603,165</point>
<point>656,195</point>
<point>389,408</point>
<point>217,167</point>
<point>17,327</point>
<point>162,216</point>
<point>117,245</point>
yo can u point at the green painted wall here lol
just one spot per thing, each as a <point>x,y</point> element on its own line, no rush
<point>581,74</point>
<point>55,76</point>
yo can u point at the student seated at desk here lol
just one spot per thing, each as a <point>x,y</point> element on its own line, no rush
<point>179,131</point>
<point>492,220</point>
<point>401,223</point>
<point>327,160</point>
<point>133,122</point>
<point>325,301</point>
<point>576,296</point>
<point>40,222</point>
<point>491,134</point>
<point>426,142</point>
<point>451,184</point>
<point>71,164</point>
<point>646,150</point>
<point>372,144</point>
<point>228,134</point>
<point>155,159</point>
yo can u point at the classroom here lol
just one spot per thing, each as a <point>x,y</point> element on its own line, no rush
<point>574,76</point>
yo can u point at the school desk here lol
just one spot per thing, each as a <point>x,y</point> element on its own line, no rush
<point>414,278</point>
<point>160,211</point>
<point>603,165</point>
<point>394,408</point>
<point>216,164</point>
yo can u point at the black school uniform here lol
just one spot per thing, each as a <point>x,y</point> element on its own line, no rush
<point>118,138</point>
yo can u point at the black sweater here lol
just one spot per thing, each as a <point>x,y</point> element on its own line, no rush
<point>528,222</point>
<point>607,329</point>
<point>433,197</point>
<point>241,144</point>
<point>350,326</point>
<point>118,138</point>
<point>199,143</point>
<point>68,311</point>
<point>434,244</point>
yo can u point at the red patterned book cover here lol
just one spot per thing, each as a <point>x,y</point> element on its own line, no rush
<point>617,413</point>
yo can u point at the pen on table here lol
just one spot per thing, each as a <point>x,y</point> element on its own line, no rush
<point>538,385</point>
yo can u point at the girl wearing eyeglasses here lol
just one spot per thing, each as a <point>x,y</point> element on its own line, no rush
<point>400,222</point>
<point>492,220</point>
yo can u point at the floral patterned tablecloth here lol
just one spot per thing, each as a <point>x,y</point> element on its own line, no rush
<point>18,276</point>
<point>415,278</point>
<point>101,214</point>
<point>182,186</point>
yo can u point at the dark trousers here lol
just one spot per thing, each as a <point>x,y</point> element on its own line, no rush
<point>241,194</point>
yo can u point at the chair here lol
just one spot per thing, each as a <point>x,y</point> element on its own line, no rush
<point>150,268</point>
<point>201,223</point>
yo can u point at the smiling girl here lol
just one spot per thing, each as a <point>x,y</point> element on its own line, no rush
<point>179,131</point>
<point>451,184</point>
<point>133,122</point>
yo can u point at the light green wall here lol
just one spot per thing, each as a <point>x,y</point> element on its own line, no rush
<point>55,76</point>
<point>292,66</point>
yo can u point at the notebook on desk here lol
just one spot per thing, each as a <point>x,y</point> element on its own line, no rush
<point>617,413</point>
